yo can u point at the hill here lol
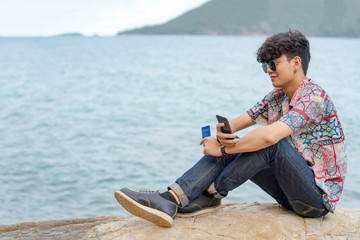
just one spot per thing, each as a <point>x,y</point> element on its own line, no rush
<point>69,35</point>
<point>264,17</point>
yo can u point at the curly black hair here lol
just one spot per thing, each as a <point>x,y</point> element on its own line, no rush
<point>292,44</point>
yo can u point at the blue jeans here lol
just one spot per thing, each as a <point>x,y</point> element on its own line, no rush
<point>278,169</point>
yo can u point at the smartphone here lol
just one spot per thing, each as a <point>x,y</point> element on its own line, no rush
<point>226,128</point>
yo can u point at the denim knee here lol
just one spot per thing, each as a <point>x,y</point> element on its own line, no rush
<point>211,160</point>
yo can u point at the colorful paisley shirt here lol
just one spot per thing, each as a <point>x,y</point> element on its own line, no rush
<point>317,133</point>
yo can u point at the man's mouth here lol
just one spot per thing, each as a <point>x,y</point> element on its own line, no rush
<point>272,77</point>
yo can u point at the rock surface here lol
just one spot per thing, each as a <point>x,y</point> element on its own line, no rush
<point>231,221</point>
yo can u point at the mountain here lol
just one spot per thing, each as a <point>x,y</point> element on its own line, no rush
<point>69,35</point>
<point>264,17</point>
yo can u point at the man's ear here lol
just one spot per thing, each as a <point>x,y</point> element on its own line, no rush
<point>297,64</point>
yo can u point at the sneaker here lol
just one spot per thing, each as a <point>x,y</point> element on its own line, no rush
<point>148,205</point>
<point>200,205</point>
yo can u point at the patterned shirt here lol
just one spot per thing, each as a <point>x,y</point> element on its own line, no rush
<point>317,133</point>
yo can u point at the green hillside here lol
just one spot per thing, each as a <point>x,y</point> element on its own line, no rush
<point>264,17</point>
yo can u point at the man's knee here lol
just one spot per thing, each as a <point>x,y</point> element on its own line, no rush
<point>212,161</point>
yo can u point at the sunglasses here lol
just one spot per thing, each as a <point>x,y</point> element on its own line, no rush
<point>272,65</point>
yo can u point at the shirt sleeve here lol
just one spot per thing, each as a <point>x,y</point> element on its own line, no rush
<point>271,102</point>
<point>308,109</point>
<point>259,112</point>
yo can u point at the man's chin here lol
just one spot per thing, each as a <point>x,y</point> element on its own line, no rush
<point>274,84</point>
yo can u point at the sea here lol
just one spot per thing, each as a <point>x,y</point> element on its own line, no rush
<point>81,117</point>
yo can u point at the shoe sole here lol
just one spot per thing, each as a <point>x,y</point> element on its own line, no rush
<point>152,215</point>
<point>199,212</point>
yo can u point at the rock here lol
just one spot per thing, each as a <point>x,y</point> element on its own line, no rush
<point>231,221</point>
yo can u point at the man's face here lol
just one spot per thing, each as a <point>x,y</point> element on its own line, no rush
<point>284,73</point>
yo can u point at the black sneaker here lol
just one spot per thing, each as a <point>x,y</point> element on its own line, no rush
<point>200,205</point>
<point>148,205</point>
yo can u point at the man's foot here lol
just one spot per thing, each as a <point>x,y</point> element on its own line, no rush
<point>148,205</point>
<point>200,205</point>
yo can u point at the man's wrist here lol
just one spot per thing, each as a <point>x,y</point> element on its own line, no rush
<point>223,151</point>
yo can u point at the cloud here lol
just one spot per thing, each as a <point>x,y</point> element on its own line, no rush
<point>104,17</point>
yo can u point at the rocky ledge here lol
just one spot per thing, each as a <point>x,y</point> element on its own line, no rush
<point>231,221</point>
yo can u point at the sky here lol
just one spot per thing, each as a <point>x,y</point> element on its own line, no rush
<point>89,17</point>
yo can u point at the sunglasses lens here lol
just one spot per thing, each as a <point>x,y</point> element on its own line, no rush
<point>264,67</point>
<point>272,65</point>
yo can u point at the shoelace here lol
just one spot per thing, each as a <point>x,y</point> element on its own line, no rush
<point>145,191</point>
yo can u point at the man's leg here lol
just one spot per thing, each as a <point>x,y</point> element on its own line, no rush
<point>266,180</point>
<point>295,178</point>
<point>194,181</point>
<point>158,208</point>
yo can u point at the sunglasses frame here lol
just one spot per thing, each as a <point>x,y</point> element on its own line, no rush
<point>272,64</point>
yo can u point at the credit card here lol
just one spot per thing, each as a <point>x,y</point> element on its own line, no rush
<point>206,131</point>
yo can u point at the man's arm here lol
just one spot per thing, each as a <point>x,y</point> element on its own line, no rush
<point>260,138</point>
<point>241,122</point>
<point>257,139</point>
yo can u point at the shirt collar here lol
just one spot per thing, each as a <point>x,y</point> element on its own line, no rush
<point>298,91</point>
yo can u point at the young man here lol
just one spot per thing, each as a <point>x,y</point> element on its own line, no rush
<point>297,155</point>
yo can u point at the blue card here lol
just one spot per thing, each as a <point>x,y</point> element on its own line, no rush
<point>206,131</point>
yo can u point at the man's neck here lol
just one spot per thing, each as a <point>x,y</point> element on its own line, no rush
<point>293,85</point>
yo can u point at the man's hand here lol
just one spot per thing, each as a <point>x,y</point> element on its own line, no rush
<point>211,146</point>
<point>225,139</point>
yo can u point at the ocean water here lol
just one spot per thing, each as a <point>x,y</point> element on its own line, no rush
<point>82,117</point>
